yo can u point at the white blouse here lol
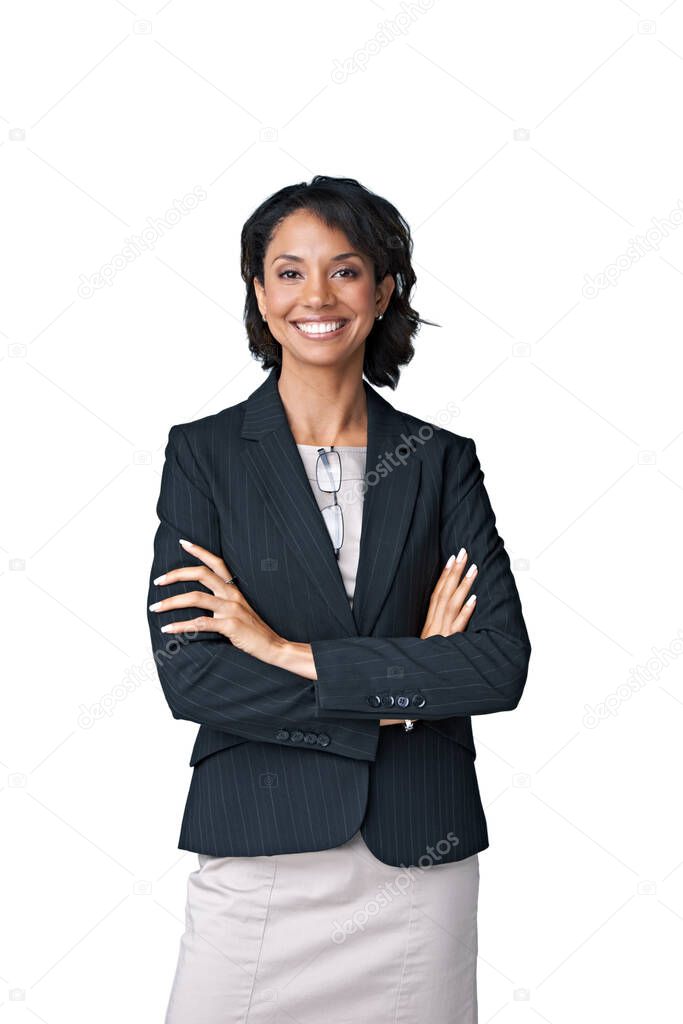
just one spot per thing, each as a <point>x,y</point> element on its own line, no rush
<point>349,496</point>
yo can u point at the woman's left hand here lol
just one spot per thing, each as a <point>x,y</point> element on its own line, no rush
<point>232,616</point>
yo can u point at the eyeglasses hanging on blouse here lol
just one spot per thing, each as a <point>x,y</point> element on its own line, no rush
<point>328,474</point>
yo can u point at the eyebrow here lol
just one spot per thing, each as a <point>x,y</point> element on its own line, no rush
<point>299,259</point>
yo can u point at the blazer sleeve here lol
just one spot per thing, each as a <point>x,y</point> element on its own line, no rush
<point>476,672</point>
<point>205,679</point>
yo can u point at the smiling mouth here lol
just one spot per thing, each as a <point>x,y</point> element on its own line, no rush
<point>318,328</point>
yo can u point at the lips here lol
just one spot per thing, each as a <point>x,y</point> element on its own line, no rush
<point>320,328</point>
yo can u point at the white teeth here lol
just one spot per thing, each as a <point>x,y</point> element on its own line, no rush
<point>320,328</point>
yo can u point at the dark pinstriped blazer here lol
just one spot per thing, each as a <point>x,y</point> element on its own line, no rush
<point>284,764</point>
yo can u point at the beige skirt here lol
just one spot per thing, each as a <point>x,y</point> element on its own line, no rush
<point>333,936</point>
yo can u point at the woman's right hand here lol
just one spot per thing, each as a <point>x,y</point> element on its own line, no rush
<point>449,608</point>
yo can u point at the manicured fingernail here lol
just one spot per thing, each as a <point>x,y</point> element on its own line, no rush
<point>461,555</point>
<point>471,571</point>
<point>160,579</point>
<point>471,599</point>
<point>186,543</point>
<point>166,629</point>
<point>450,561</point>
<point>155,607</point>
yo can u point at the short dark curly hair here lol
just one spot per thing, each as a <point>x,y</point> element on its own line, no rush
<point>374,227</point>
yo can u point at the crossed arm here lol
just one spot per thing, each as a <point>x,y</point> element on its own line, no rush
<point>230,671</point>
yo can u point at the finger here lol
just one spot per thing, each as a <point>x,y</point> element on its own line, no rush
<point>438,590</point>
<point>454,593</point>
<point>457,601</point>
<point>194,599</point>
<point>454,600</point>
<point>202,624</point>
<point>200,573</point>
<point>459,625</point>
<point>446,586</point>
<point>451,572</point>
<point>450,604</point>
<point>456,583</point>
<point>214,562</point>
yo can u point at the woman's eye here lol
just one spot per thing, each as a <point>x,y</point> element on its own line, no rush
<point>345,270</point>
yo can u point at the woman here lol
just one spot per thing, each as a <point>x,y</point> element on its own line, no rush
<point>314,565</point>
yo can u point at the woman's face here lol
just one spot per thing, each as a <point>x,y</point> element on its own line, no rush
<point>314,278</point>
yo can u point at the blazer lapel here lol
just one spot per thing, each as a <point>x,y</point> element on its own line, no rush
<point>392,479</point>
<point>392,476</point>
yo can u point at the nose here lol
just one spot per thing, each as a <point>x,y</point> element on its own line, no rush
<point>317,290</point>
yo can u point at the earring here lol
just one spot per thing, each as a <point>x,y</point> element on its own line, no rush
<point>379,317</point>
<point>264,318</point>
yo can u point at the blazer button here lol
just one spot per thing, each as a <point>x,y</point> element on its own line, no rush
<point>403,701</point>
<point>374,701</point>
<point>323,739</point>
<point>296,736</point>
<point>418,700</point>
<point>311,737</point>
<point>387,700</point>
<point>282,734</point>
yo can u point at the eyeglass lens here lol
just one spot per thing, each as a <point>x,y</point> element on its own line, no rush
<point>328,471</point>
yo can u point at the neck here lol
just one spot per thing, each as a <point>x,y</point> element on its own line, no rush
<point>324,405</point>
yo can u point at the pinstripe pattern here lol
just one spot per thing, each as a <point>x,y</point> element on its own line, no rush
<point>283,764</point>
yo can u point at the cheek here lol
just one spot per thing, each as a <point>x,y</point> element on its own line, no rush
<point>361,297</point>
<point>279,298</point>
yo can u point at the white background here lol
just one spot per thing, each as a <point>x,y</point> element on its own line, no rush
<point>526,144</point>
